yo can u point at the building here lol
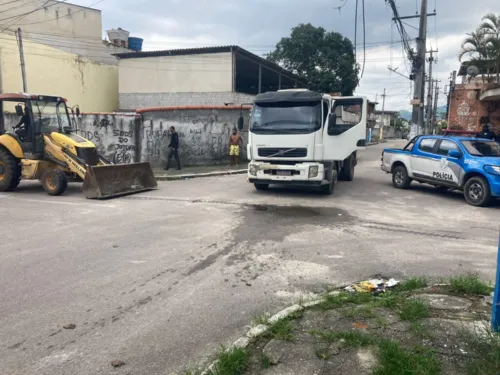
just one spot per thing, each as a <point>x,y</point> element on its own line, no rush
<point>476,96</point>
<point>387,121</point>
<point>198,76</point>
<point>64,53</point>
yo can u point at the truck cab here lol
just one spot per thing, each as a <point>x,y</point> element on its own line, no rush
<point>459,163</point>
<point>302,137</point>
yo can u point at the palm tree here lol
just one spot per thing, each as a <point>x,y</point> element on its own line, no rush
<point>475,46</point>
<point>491,28</point>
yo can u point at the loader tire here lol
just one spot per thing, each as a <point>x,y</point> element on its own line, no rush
<point>54,182</point>
<point>10,171</point>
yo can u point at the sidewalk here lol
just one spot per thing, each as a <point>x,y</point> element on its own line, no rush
<point>198,171</point>
<point>414,328</point>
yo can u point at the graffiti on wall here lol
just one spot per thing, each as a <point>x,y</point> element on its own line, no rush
<point>467,115</point>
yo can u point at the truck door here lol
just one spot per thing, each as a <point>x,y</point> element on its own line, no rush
<point>424,159</point>
<point>346,128</point>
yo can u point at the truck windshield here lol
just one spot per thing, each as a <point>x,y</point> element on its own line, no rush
<point>482,148</point>
<point>53,116</point>
<point>286,118</point>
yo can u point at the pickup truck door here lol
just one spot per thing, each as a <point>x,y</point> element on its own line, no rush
<point>450,169</point>
<point>424,159</point>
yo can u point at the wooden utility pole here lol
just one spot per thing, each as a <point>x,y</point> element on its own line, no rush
<point>21,56</point>
<point>381,132</point>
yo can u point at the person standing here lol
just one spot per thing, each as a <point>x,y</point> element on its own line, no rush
<point>235,142</point>
<point>173,149</point>
<point>486,131</point>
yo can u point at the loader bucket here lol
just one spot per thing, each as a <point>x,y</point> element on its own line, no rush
<point>106,181</point>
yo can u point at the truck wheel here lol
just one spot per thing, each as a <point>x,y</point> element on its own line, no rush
<point>328,189</point>
<point>261,186</point>
<point>54,182</point>
<point>400,178</point>
<point>477,192</point>
<point>347,171</point>
<point>10,171</point>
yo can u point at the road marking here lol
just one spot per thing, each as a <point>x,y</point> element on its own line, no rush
<point>50,201</point>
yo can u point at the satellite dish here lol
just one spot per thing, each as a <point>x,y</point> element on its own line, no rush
<point>472,71</point>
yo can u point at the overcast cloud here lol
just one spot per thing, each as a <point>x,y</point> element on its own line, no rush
<point>258,24</point>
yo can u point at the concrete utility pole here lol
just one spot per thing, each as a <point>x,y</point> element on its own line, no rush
<point>381,132</point>
<point>429,93</point>
<point>21,56</point>
<point>434,110</point>
<point>417,116</point>
<point>450,90</point>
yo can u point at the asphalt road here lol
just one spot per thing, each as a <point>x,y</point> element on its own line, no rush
<point>161,279</point>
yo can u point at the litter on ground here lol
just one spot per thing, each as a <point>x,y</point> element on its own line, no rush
<point>372,286</point>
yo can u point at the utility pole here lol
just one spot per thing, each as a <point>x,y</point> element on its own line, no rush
<point>21,56</point>
<point>450,90</point>
<point>381,132</point>
<point>417,116</point>
<point>434,110</point>
<point>429,93</point>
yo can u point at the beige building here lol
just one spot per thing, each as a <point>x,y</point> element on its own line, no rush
<point>197,76</point>
<point>64,52</point>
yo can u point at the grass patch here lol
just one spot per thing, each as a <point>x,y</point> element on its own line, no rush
<point>260,319</point>
<point>420,331</point>
<point>281,330</point>
<point>412,283</point>
<point>335,301</point>
<point>469,284</point>
<point>395,360</point>
<point>230,362</point>
<point>351,339</point>
<point>483,351</point>
<point>265,362</point>
<point>413,309</point>
<point>366,311</point>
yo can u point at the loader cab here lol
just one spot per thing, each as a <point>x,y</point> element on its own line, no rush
<point>43,114</point>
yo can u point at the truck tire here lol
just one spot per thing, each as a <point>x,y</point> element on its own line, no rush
<point>400,178</point>
<point>261,186</point>
<point>477,191</point>
<point>347,171</point>
<point>328,189</point>
<point>54,182</point>
<point>10,171</point>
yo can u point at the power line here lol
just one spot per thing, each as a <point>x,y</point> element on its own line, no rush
<point>20,17</point>
<point>30,12</point>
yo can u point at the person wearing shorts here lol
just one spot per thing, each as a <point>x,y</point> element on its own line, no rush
<point>235,142</point>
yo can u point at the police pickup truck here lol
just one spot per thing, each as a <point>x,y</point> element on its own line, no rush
<point>468,164</point>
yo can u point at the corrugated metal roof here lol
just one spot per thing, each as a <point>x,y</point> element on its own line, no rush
<point>215,49</point>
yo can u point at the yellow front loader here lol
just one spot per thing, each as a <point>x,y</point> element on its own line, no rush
<point>44,147</point>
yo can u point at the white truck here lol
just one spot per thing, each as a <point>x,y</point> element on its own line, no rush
<point>302,137</point>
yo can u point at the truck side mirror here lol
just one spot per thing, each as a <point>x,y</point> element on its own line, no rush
<point>241,122</point>
<point>19,110</point>
<point>454,154</point>
<point>332,121</point>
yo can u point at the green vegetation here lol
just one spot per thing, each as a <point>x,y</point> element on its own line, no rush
<point>469,284</point>
<point>351,339</point>
<point>394,360</point>
<point>420,330</point>
<point>265,362</point>
<point>413,310</point>
<point>412,283</point>
<point>230,362</point>
<point>485,354</point>
<point>282,329</point>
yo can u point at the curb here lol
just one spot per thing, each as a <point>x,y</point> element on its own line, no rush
<point>260,329</point>
<point>198,175</point>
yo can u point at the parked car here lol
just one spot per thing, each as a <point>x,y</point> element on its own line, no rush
<point>468,164</point>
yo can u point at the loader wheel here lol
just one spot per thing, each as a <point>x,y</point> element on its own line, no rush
<point>54,182</point>
<point>10,171</point>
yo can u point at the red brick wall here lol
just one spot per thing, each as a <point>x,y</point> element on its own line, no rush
<point>466,109</point>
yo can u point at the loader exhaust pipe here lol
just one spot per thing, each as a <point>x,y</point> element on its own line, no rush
<point>107,181</point>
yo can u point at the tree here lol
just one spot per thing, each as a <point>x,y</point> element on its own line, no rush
<point>491,27</point>
<point>324,59</point>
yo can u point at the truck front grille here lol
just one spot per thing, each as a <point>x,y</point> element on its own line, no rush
<point>283,152</point>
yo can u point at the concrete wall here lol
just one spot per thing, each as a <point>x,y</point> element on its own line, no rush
<point>50,71</point>
<point>191,73</point>
<point>125,138</point>
<point>466,110</point>
<point>203,135</point>
<point>142,100</point>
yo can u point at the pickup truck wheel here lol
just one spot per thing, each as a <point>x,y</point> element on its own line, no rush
<point>477,192</point>
<point>400,178</point>
<point>261,186</point>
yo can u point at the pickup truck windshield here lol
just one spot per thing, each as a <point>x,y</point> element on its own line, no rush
<point>286,118</point>
<point>482,148</point>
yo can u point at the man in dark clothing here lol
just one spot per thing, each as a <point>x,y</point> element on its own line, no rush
<point>486,133</point>
<point>21,129</point>
<point>173,149</point>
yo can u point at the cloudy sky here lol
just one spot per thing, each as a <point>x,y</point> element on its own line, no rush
<point>258,24</point>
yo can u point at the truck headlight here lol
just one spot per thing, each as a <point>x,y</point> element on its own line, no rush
<point>252,169</point>
<point>313,171</point>
<point>492,169</point>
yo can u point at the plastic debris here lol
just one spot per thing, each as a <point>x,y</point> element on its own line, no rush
<point>359,325</point>
<point>375,286</point>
